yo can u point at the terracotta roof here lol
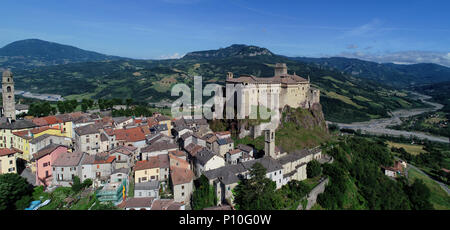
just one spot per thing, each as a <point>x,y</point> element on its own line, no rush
<point>235,151</point>
<point>130,135</point>
<point>177,153</point>
<point>178,162</point>
<point>49,120</point>
<point>24,133</point>
<point>160,161</point>
<point>7,151</point>
<point>181,176</point>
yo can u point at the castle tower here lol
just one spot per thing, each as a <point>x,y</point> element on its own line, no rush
<point>280,69</point>
<point>229,75</point>
<point>269,145</point>
<point>9,106</point>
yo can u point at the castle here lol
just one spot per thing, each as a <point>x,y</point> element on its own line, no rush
<point>274,92</point>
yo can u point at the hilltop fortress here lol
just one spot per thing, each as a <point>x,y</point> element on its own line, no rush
<point>274,92</point>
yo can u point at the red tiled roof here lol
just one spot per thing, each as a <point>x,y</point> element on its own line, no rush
<point>7,151</point>
<point>108,160</point>
<point>234,151</point>
<point>152,162</point>
<point>181,176</point>
<point>130,134</point>
<point>33,131</point>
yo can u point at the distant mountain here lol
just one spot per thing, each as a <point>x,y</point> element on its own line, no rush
<point>35,52</point>
<point>387,73</point>
<point>344,98</point>
<point>235,50</point>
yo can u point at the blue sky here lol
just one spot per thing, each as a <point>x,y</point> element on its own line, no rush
<point>153,29</point>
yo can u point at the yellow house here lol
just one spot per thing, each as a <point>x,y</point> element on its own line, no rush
<point>21,139</point>
<point>8,128</point>
<point>8,159</point>
<point>63,122</point>
<point>147,170</point>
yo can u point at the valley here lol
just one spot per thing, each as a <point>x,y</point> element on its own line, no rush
<point>380,126</point>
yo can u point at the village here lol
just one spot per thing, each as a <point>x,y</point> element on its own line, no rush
<point>156,157</point>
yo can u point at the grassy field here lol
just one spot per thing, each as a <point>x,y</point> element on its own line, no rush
<point>410,148</point>
<point>439,198</point>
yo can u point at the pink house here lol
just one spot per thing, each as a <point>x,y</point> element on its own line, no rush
<point>44,160</point>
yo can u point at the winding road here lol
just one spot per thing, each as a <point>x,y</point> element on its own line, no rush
<point>379,126</point>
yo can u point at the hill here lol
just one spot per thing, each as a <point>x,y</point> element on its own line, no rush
<point>387,73</point>
<point>35,52</point>
<point>236,50</point>
<point>345,98</point>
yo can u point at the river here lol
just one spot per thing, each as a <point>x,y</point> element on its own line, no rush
<point>379,126</point>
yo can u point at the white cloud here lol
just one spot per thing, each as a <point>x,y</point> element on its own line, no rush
<point>402,57</point>
<point>171,56</point>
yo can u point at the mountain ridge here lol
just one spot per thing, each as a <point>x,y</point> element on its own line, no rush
<point>35,52</point>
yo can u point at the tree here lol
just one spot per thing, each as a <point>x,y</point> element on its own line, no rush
<point>313,169</point>
<point>76,186</point>
<point>419,195</point>
<point>204,195</point>
<point>258,192</point>
<point>87,183</point>
<point>13,188</point>
<point>61,106</point>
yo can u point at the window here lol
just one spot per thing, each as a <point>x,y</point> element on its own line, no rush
<point>182,194</point>
<point>182,187</point>
<point>62,169</point>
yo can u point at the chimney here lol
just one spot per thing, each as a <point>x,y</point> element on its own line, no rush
<point>229,75</point>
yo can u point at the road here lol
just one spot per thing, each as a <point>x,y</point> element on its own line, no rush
<point>379,126</point>
<point>443,186</point>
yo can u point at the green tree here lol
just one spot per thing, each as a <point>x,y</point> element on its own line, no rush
<point>258,192</point>
<point>419,195</point>
<point>204,195</point>
<point>13,188</point>
<point>313,169</point>
<point>76,186</point>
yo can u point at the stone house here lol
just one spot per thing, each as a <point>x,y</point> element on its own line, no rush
<point>183,183</point>
<point>206,160</point>
<point>222,146</point>
<point>125,156</point>
<point>66,167</point>
<point>98,168</point>
<point>87,139</point>
<point>158,148</point>
<point>147,189</point>
<point>44,140</point>
<point>236,156</point>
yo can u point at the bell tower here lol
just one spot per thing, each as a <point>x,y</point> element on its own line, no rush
<point>9,105</point>
<point>269,145</point>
